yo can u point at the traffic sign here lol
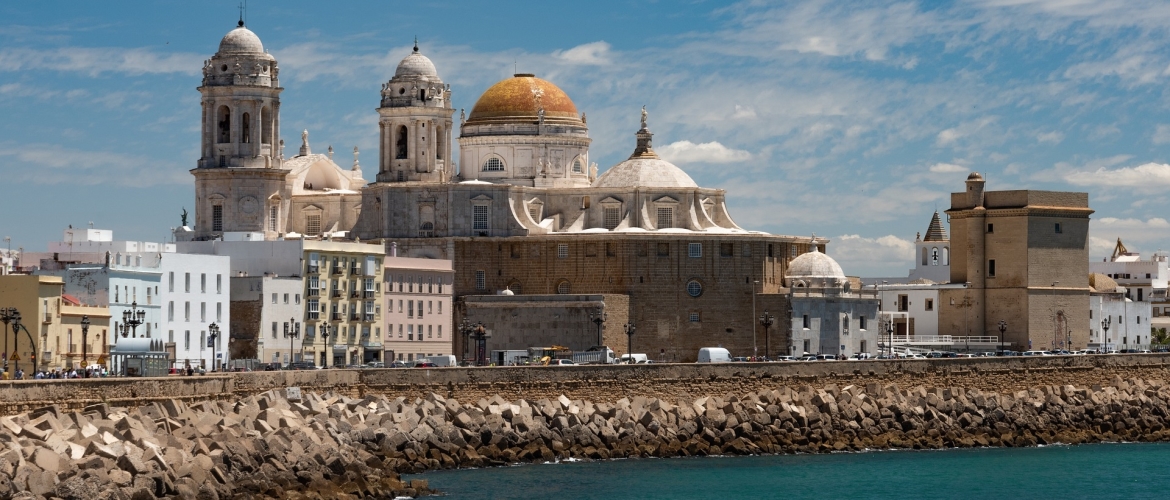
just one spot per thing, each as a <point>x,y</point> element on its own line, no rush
<point>15,357</point>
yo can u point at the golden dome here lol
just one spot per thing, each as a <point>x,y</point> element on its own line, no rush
<point>520,98</point>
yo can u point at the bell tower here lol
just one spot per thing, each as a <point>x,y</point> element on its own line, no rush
<point>414,123</point>
<point>239,179</point>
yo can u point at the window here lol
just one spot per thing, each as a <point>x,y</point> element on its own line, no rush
<point>274,295</point>
<point>694,288</point>
<point>187,340</point>
<point>792,250</point>
<point>563,251</point>
<point>991,268</point>
<point>694,250</point>
<point>217,218</point>
<point>664,249</point>
<point>480,280</point>
<point>426,230</point>
<point>171,336</point>
<point>924,257</point>
<point>187,282</point>
<point>410,309</point>
<point>187,311</point>
<point>430,332</point>
<point>286,298</point>
<point>273,329</point>
<point>202,282</point>
<point>578,166</point>
<point>612,217</point>
<point>929,304</point>
<point>1058,228</point>
<point>726,250</point>
<point>440,307</point>
<point>203,312</point>
<point>313,224</point>
<point>934,256</point>
<point>563,287</point>
<point>861,323</point>
<point>297,299</point>
<point>990,228</point>
<point>493,164</point>
<point>273,212</point>
<point>665,217</point>
<point>219,311</point>
<point>400,307</point>
<point>409,332</point>
<point>903,303</point>
<point>171,281</point>
<point>171,311</point>
<point>219,283</point>
<point>429,308</point>
<point>694,317</point>
<point>534,212</point>
<point>313,308</point>
<point>399,331</point>
<point>806,326</point>
<point>440,334</point>
<point>479,218</point>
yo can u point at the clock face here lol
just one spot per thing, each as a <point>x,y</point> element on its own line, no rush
<point>249,205</point>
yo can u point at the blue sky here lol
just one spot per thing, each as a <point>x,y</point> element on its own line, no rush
<point>851,120</point>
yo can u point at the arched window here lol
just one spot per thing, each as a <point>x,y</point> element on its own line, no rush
<point>246,128</point>
<point>426,230</point>
<point>493,164</point>
<point>515,287</point>
<point>563,287</point>
<point>265,125</point>
<point>401,143</point>
<point>946,256</point>
<point>934,256</point>
<point>224,124</point>
<point>924,256</point>
<point>578,166</point>
<point>439,147</point>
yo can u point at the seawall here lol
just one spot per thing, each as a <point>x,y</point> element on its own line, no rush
<point>592,382</point>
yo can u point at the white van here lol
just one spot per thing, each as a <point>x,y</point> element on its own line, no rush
<point>638,359</point>
<point>714,355</point>
<point>444,360</point>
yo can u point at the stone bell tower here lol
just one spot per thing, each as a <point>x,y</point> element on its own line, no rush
<point>239,182</point>
<point>415,124</point>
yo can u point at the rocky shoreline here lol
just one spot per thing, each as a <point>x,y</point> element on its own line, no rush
<point>282,445</point>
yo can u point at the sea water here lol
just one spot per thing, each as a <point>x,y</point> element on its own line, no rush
<point>1056,472</point>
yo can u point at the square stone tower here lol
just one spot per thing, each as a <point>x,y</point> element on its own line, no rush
<point>1025,259</point>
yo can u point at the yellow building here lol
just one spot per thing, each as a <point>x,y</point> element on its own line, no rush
<point>343,303</point>
<point>37,299</point>
<point>71,347</point>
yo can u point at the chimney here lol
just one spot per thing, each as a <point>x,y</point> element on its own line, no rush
<point>393,248</point>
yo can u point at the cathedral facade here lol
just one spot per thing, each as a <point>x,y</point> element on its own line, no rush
<point>524,210</point>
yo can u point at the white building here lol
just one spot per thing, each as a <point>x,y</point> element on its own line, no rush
<point>1144,281</point>
<point>1128,321</point>
<point>278,332</point>
<point>183,297</point>
<point>417,295</point>
<point>932,254</point>
<point>828,315</point>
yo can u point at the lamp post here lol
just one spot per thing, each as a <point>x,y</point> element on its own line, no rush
<point>630,340</point>
<point>1054,332</point>
<point>598,318</point>
<point>465,329</point>
<point>767,320</point>
<point>1105,336</point>
<point>84,344</point>
<point>15,341</point>
<point>212,334</point>
<point>890,332</point>
<point>325,341</point>
<point>7,314</point>
<point>1002,329</point>
<point>291,331</point>
<point>1068,341</point>
<point>480,344</point>
<point>131,319</point>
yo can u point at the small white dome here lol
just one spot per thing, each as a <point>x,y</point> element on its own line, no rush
<point>241,41</point>
<point>645,172</point>
<point>814,264</point>
<point>416,65</point>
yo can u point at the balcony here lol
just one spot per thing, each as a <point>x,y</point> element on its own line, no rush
<point>335,316</point>
<point>355,270</point>
<point>336,294</point>
<point>353,316</point>
<point>313,292</point>
<point>337,270</point>
<point>354,294</point>
<point>313,269</point>
<point>368,294</point>
<point>368,317</point>
<point>314,315</point>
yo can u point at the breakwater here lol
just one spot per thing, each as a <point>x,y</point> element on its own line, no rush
<point>282,445</point>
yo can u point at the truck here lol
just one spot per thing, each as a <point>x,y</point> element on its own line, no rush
<point>596,355</point>
<point>509,357</point>
<point>543,355</point>
<point>714,355</point>
<point>443,360</point>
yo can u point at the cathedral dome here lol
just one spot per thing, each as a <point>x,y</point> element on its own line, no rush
<point>416,64</point>
<point>241,41</point>
<point>815,264</point>
<point>520,99</point>
<point>645,172</point>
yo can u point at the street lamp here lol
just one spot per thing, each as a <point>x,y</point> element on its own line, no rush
<point>767,320</point>
<point>598,318</point>
<point>480,344</point>
<point>1105,336</point>
<point>890,332</point>
<point>212,334</point>
<point>325,341</point>
<point>465,329</point>
<point>1002,329</point>
<point>131,319</point>
<point>7,314</point>
<point>1068,343</point>
<point>291,331</point>
<point>16,342</point>
<point>84,344</point>
<point>630,340</point>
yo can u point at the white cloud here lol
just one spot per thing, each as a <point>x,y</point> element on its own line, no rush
<point>683,152</point>
<point>53,164</point>
<point>947,168</point>
<point>1161,134</point>
<point>1143,236</point>
<point>1149,175</point>
<point>1053,137</point>
<point>883,256</point>
<point>593,53</point>
<point>98,60</point>
<point>949,136</point>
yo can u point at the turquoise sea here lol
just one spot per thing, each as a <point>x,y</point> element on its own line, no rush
<point>1129,471</point>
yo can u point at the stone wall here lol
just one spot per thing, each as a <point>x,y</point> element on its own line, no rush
<point>593,382</point>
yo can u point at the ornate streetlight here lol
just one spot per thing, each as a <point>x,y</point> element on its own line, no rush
<point>291,331</point>
<point>767,320</point>
<point>1105,336</point>
<point>131,318</point>
<point>212,334</point>
<point>7,314</point>
<point>16,342</point>
<point>465,329</point>
<point>84,344</point>
<point>1002,329</point>
<point>598,318</point>
<point>324,340</point>
<point>630,340</point>
<point>890,332</point>
<point>480,335</point>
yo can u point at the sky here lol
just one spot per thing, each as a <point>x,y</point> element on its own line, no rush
<point>849,120</point>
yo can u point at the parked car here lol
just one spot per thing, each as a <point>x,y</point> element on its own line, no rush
<point>826,357</point>
<point>561,362</point>
<point>787,358</point>
<point>425,364</point>
<point>302,365</point>
<point>376,364</point>
<point>398,364</point>
<point>808,357</point>
<point>863,355</point>
<point>1036,353</point>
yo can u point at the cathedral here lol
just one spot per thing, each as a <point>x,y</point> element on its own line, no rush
<point>524,210</point>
